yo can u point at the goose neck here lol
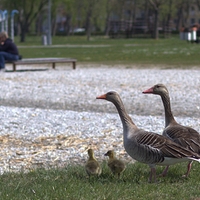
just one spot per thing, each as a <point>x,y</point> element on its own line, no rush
<point>125,118</point>
<point>169,118</point>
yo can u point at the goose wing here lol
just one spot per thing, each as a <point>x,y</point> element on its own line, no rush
<point>161,145</point>
<point>184,136</point>
<point>116,165</point>
<point>92,167</point>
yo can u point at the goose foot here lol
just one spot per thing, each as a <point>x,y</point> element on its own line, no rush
<point>164,173</point>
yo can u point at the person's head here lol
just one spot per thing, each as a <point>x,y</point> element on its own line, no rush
<point>3,36</point>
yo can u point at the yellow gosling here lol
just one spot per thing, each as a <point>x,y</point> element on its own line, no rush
<point>116,166</point>
<point>92,166</point>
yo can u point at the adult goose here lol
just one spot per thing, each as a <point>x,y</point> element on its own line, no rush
<point>147,147</point>
<point>116,166</point>
<point>185,136</point>
<point>92,166</point>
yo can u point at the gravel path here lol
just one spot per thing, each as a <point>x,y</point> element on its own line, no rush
<point>48,118</point>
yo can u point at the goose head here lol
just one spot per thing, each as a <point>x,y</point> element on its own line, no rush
<point>110,154</point>
<point>111,96</point>
<point>158,89</point>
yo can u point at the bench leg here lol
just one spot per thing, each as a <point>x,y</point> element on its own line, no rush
<point>74,65</point>
<point>53,65</point>
<point>14,67</point>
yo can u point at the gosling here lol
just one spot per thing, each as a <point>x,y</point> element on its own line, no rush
<point>116,166</point>
<point>92,166</point>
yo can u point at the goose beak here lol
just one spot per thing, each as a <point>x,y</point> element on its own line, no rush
<point>150,90</point>
<point>101,97</point>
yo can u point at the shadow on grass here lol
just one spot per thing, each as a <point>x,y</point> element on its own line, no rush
<point>137,173</point>
<point>26,70</point>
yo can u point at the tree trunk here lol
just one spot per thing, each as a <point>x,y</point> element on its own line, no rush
<point>88,22</point>
<point>54,27</point>
<point>167,23</point>
<point>68,24</point>
<point>107,29</point>
<point>23,29</point>
<point>131,19</point>
<point>23,34</point>
<point>156,20</point>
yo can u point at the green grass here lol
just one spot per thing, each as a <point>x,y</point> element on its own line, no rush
<point>142,52</point>
<point>72,183</point>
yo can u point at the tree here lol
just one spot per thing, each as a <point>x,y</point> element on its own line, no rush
<point>90,6</point>
<point>180,13</point>
<point>28,11</point>
<point>66,9</point>
<point>156,4</point>
<point>108,11</point>
<point>167,12</point>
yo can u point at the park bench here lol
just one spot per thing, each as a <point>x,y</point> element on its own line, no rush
<point>32,61</point>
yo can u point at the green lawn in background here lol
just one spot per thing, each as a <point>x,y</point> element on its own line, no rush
<point>142,52</point>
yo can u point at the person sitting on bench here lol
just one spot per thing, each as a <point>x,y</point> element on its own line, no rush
<point>8,50</point>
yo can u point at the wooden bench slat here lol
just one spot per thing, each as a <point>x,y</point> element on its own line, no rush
<point>53,61</point>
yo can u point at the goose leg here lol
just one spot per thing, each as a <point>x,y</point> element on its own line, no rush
<point>152,175</point>
<point>164,173</point>
<point>188,169</point>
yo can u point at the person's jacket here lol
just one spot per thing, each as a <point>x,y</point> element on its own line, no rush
<point>9,47</point>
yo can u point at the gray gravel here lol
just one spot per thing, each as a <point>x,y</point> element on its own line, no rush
<point>48,118</point>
